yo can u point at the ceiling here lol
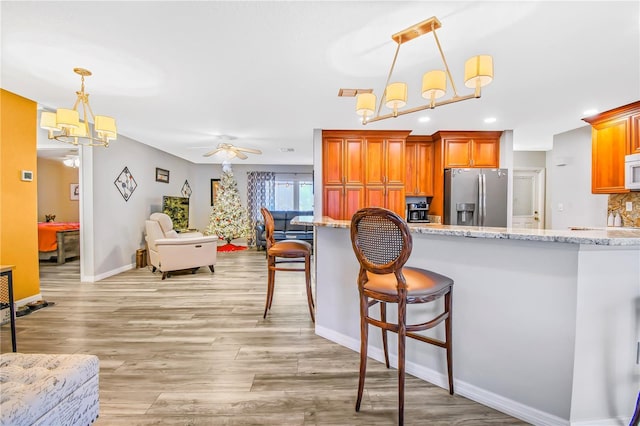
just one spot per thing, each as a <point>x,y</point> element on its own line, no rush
<point>178,75</point>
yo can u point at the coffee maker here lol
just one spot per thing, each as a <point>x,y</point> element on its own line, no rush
<point>418,212</point>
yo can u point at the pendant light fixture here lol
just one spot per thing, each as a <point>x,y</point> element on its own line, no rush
<point>65,125</point>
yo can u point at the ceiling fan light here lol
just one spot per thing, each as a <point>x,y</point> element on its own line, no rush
<point>365,104</point>
<point>478,71</point>
<point>67,118</point>
<point>396,95</point>
<point>434,84</point>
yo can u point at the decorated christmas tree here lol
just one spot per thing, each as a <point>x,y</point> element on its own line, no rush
<point>229,220</point>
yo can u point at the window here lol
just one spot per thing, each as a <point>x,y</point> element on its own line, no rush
<point>294,191</point>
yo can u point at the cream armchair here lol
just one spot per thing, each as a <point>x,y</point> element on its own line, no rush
<point>170,251</point>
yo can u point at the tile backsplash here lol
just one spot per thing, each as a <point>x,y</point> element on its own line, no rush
<point>617,203</point>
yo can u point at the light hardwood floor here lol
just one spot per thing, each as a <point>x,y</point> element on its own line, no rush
<point>194,350</point>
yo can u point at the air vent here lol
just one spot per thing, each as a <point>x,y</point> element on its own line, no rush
<point>287,149</point>
<point>350,93</point>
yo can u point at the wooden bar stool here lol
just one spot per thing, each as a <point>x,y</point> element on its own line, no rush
<point>382,244</point>
<point>288,251</point>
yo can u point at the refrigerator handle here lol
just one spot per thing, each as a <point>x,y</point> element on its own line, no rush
<point>480,189</point>
<point>483,199</point>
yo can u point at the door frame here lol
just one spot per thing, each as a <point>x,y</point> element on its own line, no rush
<point>541,190</point>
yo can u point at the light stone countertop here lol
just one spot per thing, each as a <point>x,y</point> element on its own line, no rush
<point>574,235</point>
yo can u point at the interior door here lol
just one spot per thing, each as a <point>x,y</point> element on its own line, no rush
<point>528,198</point>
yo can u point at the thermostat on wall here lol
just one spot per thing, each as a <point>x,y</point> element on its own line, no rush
<point>27,175</point>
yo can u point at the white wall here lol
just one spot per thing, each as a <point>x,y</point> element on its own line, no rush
<point>529,159</point>
<point>569,198</point>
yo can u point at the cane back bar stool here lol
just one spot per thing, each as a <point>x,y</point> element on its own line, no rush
<point>382,244</point>
<point>288,251</point>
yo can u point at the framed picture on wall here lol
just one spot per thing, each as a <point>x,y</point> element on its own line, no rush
<point>74,191</point>
<point>162,175</point>
<point>214,190</point>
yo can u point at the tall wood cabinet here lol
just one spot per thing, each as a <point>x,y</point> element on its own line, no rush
<point>362,168</point>
<point>470,149</point>
<point>614,134</point>
<point>419,164</point>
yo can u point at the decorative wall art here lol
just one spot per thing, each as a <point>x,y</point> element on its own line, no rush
<point>186,189</point>
<point>74,191</point>
<point>162,175</point>
<point>214,189</point>
<point>126,184</point>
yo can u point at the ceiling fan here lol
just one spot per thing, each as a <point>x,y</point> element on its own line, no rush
<point>232,151</point>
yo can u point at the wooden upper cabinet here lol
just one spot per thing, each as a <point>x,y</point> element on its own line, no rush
<point>385,159</point>
<point>470,149</point>
<point>343,161</point>
<point>419,165</point>
<point>614,134</point>
<point>358,166</point>
<point>635,134</point>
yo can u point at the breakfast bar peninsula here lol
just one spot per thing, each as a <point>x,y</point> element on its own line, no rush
<point>545,322</point>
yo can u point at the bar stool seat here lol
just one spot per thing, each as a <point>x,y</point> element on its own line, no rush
<point>288,251</point>
<point>382,244</point>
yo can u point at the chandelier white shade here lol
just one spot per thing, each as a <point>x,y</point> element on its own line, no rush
<point>478,72</point>
<point>66,126</point>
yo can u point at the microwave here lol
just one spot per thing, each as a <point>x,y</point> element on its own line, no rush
<point>632,172</point>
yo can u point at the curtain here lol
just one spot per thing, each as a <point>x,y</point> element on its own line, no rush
<point>261,188</point>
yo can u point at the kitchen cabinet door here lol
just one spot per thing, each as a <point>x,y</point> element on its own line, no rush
<point>395,199</point>
<point>419,165</point>
<point>457,152</point>
<point>341,202</point>
<point>485,152</point>
<point>608,147</point>
<point>635,134</point>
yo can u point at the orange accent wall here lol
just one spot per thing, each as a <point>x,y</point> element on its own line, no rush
<point>19,199</point>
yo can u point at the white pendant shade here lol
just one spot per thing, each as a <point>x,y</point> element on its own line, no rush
<point>67,118</point>
<point>396,95</point>
<point>105,126</point>
<point>80,131</point>
<point>478,71</point>
<point>434,84</point>
<point>365,104</point>
<point>48,121</point>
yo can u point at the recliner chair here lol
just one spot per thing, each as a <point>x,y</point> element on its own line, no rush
<point>170,251</point>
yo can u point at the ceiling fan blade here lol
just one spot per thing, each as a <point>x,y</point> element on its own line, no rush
<point>241,155</point>
<point>210,153</point>
<point>250,150</point>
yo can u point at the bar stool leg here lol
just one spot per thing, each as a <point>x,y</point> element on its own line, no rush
<point>402,334</point>
<point>270,283</point>
<point>447,327</point>
<point>364,337</point>
<point>307,276</point>
<point>383,318</point>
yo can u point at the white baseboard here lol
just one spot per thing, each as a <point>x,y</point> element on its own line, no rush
<point>94,278</point>
<point>474,393</point>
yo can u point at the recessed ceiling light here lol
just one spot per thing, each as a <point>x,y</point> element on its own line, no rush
<point>489,120</point>
<point>424,119</point>
<point>589,112</point>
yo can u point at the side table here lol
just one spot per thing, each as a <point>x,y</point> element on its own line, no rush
<point>6,296</point>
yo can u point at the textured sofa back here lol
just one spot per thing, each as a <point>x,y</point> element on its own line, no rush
<point>282,220</point>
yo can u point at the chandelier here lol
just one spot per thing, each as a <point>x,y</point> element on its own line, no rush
<point>478,72</point>
<point>65,125</point>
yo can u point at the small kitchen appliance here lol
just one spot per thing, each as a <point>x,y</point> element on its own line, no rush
<point>632,172</point>
<point>417,212</point>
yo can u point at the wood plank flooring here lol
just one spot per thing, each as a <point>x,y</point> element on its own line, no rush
<point>194,350</point>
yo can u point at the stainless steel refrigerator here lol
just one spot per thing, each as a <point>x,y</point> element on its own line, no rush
<point>476,197</point>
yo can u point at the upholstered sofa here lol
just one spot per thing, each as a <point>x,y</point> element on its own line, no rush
<point>284,230</point>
